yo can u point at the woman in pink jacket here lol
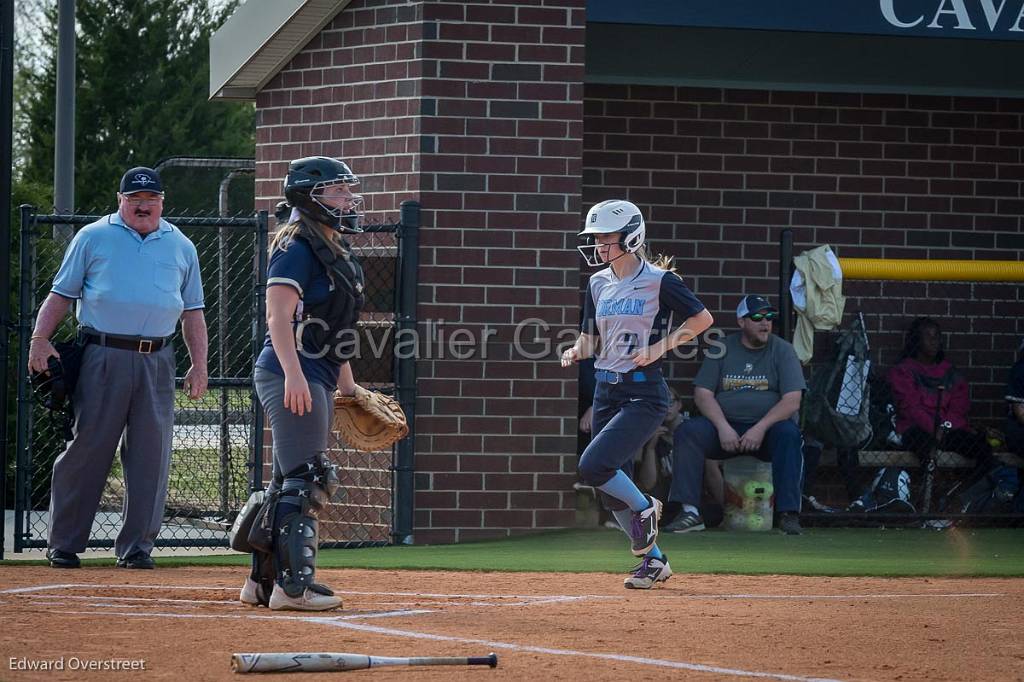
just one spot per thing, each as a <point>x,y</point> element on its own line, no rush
<point>916,382</point>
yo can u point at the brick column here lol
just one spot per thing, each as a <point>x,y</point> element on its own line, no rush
<point>475,109</point>
<point>502,145</point>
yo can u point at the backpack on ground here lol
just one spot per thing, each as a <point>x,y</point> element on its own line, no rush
<point>889,493</point>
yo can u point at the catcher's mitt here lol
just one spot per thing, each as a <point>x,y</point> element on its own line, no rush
<point>369,421</point>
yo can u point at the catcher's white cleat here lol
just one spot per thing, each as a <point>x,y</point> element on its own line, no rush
<point>309,600</point>
<point>250,592</point>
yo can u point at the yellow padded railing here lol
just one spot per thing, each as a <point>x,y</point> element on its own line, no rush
<point>933,270</point>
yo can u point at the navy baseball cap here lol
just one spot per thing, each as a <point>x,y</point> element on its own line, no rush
<point>754,304</point>
<point>141,179</point>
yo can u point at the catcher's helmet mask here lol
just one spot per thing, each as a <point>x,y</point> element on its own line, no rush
<point>305,188</point>
<point>614,216</point>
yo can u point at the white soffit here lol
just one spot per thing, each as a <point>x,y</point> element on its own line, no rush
<point>259,38</point>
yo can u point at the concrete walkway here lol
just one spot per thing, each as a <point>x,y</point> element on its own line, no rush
<point>106,525</point>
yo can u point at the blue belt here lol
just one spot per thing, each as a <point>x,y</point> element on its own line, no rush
<point>622,377</point>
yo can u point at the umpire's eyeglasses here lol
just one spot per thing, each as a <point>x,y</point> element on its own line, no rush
<point>137,201</point>
<point>757,317</point>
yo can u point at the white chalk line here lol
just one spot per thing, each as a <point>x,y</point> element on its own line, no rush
<point>62,597</point>
<point>532,599</point>
<point>656,662</point>
<point>525,599</point>
<point>249,616</point>
<point>68,586</point>
<point>952,595</point>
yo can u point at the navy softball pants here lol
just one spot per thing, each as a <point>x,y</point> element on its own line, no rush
<point>626,415</point>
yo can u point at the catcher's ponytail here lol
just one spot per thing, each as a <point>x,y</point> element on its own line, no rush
<point>284,236</point>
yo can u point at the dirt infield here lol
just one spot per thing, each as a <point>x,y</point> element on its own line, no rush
<point>184,623</point>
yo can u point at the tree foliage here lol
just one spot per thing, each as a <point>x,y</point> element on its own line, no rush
<point>141,96</point>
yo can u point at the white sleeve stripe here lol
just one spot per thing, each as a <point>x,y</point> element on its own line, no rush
<point>284,280</point>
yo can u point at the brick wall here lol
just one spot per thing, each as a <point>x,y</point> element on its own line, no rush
<point>475,109</point>
<point>720,173</point>
<point>351,93</point>
<point>500,184</point>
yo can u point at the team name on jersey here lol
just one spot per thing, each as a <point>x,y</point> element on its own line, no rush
<point>621,306</point>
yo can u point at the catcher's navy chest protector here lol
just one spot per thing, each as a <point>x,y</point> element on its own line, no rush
<point>324,325</point>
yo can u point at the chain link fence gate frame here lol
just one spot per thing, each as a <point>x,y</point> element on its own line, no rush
<point>220,450</point>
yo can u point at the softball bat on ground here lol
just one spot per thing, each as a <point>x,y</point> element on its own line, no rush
<point>338,662</point>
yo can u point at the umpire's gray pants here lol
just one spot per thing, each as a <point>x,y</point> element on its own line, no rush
<point>119,392</point>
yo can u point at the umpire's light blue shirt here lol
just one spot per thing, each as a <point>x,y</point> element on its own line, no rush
<point>127,284</point>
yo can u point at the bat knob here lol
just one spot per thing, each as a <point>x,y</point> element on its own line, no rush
<point>492,660</point>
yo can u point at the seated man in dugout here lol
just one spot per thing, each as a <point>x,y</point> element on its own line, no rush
<point>932,400</point>
<point>749,396</point>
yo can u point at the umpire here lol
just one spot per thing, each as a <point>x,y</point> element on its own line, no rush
<point>133,276</point>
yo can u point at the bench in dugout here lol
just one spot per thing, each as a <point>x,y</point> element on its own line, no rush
<point>858,468</point>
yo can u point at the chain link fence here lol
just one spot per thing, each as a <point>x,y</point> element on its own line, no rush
<point>364,516</point>
<point>907,422</point>
<point>211,461</point>
<point>221,445</point>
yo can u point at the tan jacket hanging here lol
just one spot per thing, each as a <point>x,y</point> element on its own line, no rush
<point>817,291</point>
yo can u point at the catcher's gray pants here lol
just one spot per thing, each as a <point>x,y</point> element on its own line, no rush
<point>297,440</point>
<point>119,393</point>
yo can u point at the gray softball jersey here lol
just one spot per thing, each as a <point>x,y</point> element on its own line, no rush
<point>634,312</point>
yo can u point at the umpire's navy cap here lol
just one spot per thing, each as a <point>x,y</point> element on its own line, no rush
<point>141,179</point>
<point>753,304</point>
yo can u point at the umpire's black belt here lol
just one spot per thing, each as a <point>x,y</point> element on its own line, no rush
<point>635,377</point>
<point>136,344</point>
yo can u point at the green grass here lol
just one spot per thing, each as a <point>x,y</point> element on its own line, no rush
<point>238,399</point>
<point>832,552</point>
<point>194,477</point>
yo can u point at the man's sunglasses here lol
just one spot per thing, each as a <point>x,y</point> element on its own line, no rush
<point>757,317</point>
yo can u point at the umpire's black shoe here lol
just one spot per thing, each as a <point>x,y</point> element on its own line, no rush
<point>59,559</point>
<point>136,560</point>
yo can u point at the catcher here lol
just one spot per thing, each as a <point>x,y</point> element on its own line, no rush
<point>314,295</point>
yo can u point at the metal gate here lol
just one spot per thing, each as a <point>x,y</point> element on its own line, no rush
<point>220,450</point>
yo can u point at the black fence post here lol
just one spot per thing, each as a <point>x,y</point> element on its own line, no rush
<point>785,275</point>
<point>23,457</point>
<point>259,331</point>
<point>405,369</point>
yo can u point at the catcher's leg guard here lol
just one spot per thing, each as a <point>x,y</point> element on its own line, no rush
<point>259,585</point>
<point>253,532</point>
<point>295,545</point>
<point>238,536</point>
<point>304,492</point>
<point>261,529</point>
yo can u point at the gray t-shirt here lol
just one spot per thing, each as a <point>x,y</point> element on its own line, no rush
<point>747,383</point>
